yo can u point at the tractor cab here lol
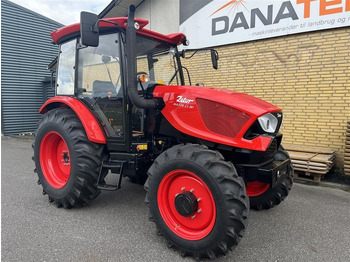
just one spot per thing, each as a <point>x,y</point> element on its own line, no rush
<point>98,75</point>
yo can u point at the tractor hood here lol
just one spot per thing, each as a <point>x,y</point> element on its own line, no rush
<point>216,115</point>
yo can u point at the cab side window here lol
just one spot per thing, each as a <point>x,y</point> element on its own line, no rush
<point>99,68</point>
<point>65,74</point>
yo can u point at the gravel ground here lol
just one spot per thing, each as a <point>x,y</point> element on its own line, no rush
<point>313,224</point>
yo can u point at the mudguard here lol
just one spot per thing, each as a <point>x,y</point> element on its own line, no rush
<point>91,126</point>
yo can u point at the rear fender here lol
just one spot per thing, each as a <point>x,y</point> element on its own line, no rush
<point>90,124</point>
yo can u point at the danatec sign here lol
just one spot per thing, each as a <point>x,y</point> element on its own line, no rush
<point>220,22</point>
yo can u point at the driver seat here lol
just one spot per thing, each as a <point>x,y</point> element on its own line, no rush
<point>103,89</point>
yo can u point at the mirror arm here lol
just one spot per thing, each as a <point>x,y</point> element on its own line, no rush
<point>95,27</point>
<point>195,52</point>
<point>188,75</point>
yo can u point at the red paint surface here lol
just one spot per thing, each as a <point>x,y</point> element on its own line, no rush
<point>52,151</point>
<point>188,228</point>
<point>256,188</point>
<point>186,117</point>
<point>65,31</point>
<point>91,126</point>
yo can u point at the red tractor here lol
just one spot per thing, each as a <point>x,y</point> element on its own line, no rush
<point>205,155</point>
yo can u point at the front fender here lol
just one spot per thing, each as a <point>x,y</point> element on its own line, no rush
<point>90,124</point>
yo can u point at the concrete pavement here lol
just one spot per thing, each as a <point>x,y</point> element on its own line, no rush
<point>313,224</point>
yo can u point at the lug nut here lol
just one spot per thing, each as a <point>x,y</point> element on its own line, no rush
<point>199,210</point>
<point>191,190</point>
<point>183,188</point>
<point>199,199</point>
<point>192,217</point>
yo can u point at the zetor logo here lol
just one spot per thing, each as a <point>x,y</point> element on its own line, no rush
<point>181,99</point>
<point>274,13</point>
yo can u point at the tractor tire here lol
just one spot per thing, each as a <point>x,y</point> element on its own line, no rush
<point>66,162</point>
<point>261,196</point>
<point>197,201</point>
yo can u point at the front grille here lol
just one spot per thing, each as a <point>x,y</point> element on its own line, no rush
<point>221,119</point>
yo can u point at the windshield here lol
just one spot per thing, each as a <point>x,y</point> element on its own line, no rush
<point>157,60</point>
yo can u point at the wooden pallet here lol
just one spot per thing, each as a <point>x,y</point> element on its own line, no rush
<point>307,176</point>
<point>347,151</point>
<point>308,149</point>
<point>310,162</point>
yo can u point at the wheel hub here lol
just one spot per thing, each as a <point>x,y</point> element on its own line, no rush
<point>186,203</point>
<point>65,157</point>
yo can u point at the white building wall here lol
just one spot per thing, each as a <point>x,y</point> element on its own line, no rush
<point>162,14</point>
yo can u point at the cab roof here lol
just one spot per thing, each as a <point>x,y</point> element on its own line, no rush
<point>72,31</point>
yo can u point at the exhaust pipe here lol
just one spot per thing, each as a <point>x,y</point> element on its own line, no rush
<point>132,65</point>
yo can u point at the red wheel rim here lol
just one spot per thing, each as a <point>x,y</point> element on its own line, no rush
<point>256,188</point>
<point>55,159</point>
<point>200,223</point>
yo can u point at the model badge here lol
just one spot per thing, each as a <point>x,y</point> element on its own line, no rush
<point>181,99</point>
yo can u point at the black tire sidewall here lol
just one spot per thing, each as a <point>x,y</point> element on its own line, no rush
<point>220,221</point>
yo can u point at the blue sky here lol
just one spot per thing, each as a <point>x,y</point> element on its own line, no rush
<point>63,11</point>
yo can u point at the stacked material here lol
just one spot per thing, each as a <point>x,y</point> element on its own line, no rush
<point>310,159</point>
<point>347,151</point>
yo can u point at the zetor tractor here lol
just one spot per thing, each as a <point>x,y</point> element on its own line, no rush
<point>205,155</point>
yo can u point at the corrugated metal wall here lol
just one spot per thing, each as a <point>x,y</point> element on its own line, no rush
<point>26,51</point>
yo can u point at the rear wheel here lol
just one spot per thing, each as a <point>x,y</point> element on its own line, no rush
<point>197,200</point>
<point>67,163</point>
<point>262,196</point>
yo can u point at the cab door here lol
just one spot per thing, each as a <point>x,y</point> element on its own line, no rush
<point>101,83</point>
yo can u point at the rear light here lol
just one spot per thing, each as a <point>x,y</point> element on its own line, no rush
<point>221,119</point>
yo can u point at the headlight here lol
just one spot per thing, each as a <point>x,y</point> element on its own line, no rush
<point>268,123</point>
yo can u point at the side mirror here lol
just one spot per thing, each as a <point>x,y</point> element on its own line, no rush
<point>89,31</point>
<point>182,54</point>
<point>214,58</point>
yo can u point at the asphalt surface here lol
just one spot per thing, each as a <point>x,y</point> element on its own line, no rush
<point>312,224</point>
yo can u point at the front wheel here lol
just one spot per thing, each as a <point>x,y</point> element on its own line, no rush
<point>197,200</point>
<point>262,196</point>
<point>67,163</point>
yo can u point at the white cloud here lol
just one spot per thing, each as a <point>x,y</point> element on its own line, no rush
<point>63,11</point>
